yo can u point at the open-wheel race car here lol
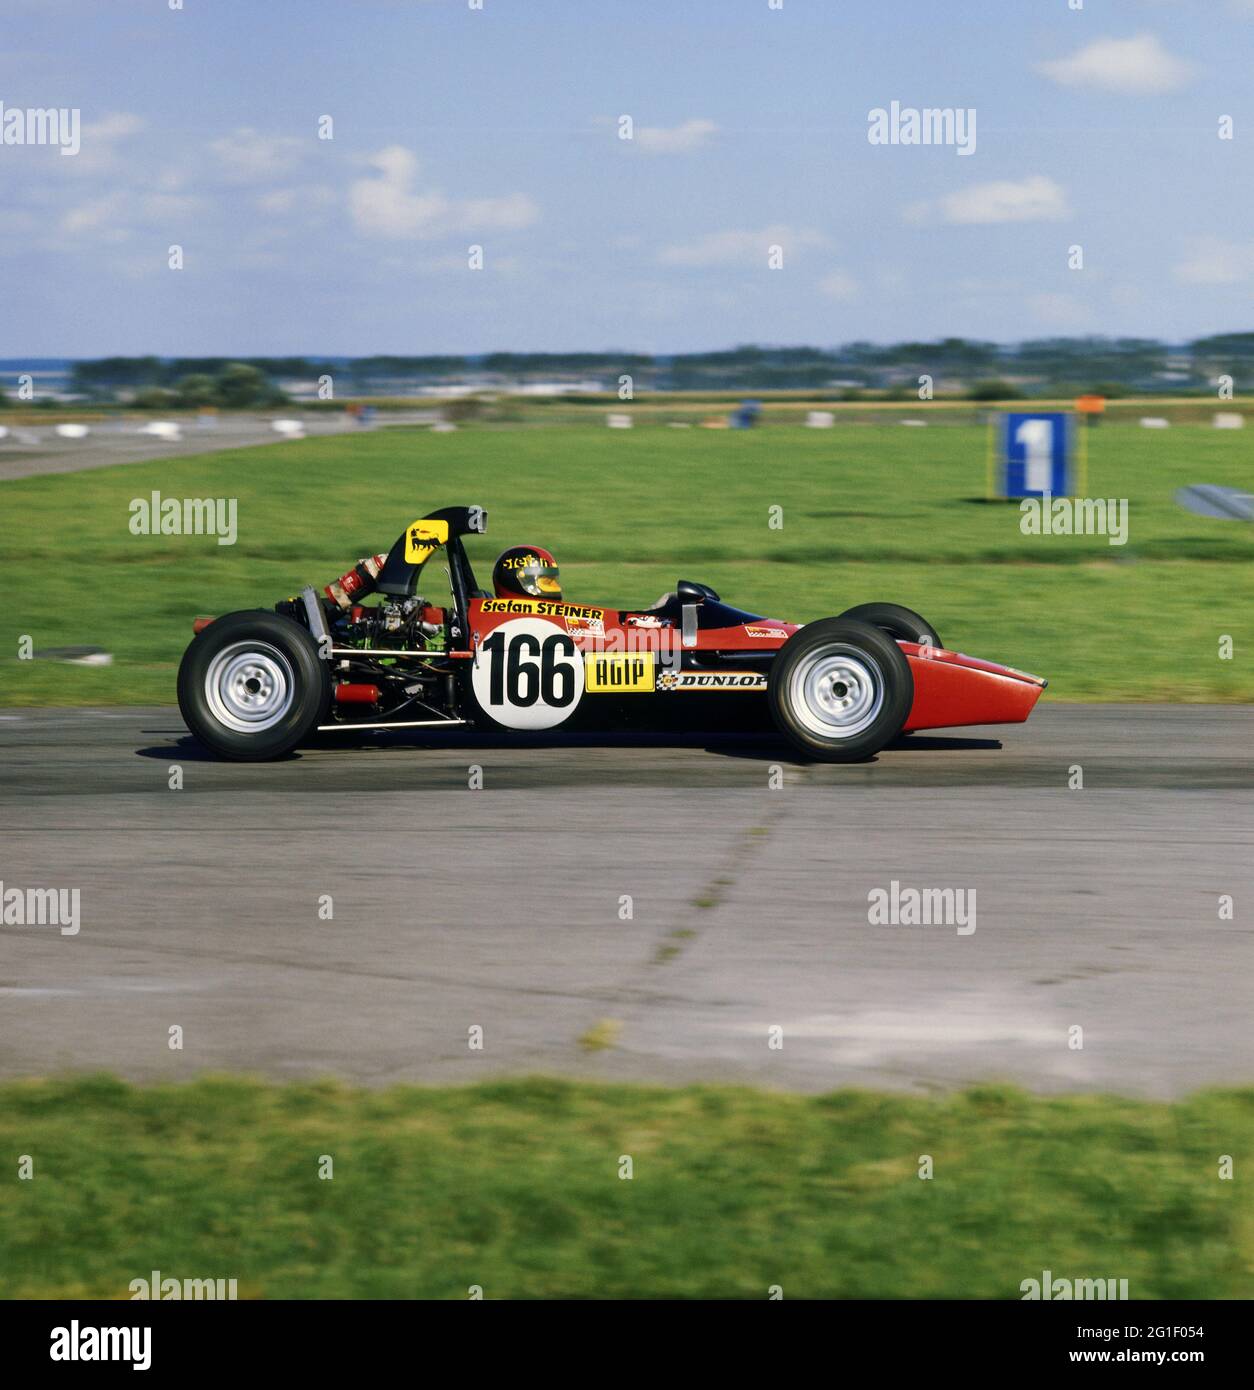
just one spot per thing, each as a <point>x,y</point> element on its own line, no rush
<point>254,685</point>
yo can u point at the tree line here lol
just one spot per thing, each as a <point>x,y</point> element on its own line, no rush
<point>1113,365</point>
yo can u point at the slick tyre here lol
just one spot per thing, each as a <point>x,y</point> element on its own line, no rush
<point>252,686</point>
<point>902,623</point>
<point>840,690</point>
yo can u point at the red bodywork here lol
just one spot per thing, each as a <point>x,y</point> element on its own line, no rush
<point>950,689</point>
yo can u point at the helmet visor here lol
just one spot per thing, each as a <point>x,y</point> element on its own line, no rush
<point>541,581</point>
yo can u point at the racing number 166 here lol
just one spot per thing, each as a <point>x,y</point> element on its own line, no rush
<point>519,679</point>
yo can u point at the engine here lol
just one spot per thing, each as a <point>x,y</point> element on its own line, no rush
<point>409,625</point>
<point>377,680</point>
<point>405,625</point>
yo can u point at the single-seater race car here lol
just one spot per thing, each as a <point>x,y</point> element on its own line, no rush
<point>521,658</point>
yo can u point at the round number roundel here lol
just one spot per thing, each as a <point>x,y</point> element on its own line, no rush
<point>528,675</point>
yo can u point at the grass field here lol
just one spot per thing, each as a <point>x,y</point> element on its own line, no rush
<point>868,513</point>
<point>515,1187</point>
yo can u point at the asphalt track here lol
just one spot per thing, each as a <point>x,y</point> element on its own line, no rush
<point>500,908</point>
<point>35,449</point>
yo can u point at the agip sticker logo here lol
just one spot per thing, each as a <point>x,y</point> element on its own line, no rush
<point>423,538</point>
<point>613,673</point>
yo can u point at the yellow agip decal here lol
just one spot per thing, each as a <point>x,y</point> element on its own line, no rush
<point>617,673</point>
<point>423,538</point>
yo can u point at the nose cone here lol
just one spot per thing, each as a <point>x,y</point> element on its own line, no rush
<point>951,690</point>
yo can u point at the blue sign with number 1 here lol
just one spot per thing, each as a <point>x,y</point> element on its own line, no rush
<point>1035,453</point>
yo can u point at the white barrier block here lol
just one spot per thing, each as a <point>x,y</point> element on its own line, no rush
<point>162,429</point>
<point>72,431</point>
<point>819,419</point>
<point>1228,420</point>
<point>618,422</point>
<point>1154,422</point>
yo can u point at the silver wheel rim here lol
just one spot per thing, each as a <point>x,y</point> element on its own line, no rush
<point>250,687</point>
<point>837,691</point>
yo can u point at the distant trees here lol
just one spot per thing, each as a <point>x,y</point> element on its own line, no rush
<point>154,385</point>
<point>979,369</point>
<point>110,374</point>
<point>1225,345</point>
<point>994,389</point>
<point>197,389</point>
<point>240,384</point>
<point>154,398</point>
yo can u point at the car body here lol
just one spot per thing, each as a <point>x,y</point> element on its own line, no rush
<point>254,684</point>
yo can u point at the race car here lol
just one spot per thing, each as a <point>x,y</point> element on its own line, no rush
<point>522,659</point>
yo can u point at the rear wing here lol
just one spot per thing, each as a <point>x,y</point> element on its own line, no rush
<point>421,539</point>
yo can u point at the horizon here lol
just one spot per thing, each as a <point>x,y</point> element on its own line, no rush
<point>608,353</point>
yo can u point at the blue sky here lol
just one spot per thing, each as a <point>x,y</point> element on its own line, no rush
<point>499,127</point>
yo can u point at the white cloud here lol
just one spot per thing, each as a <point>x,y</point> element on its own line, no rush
<point>170,207</point>
<point>247,156</point>
<point>281,200</point>
<point>1061,311</point>
<point>98,154</point>
<point>1139,65</point>
<point>303,197</point>
<point>512,211</point>
<point>116,217</point>
<point>839,286</point>
<point>115,126</point>
<point>741,247</point>
<point>95,216</point>
<point>679,139</point>
<point>388,206</point>
<point>1034,199</point>
<point>167,180</point>
<point>1214,261</point>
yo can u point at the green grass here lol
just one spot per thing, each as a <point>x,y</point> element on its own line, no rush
<point>515,1187</point>
<point>869,512</point>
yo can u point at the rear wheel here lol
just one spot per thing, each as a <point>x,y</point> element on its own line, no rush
<point>840,689</point>
<point>902,623</point>
<point>252,686</point>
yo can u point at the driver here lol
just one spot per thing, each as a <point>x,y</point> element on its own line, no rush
<point>526,571</point>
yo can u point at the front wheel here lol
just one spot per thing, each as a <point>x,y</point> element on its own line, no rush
<point>840,689</point>
<point>252,686</point>
<point>902,623</point>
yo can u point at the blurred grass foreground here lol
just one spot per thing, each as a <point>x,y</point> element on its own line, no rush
<point>552,1189</point>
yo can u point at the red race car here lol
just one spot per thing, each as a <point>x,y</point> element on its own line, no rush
<point>521,658</point>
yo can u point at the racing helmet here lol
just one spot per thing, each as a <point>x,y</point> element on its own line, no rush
<point>526,571</point>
